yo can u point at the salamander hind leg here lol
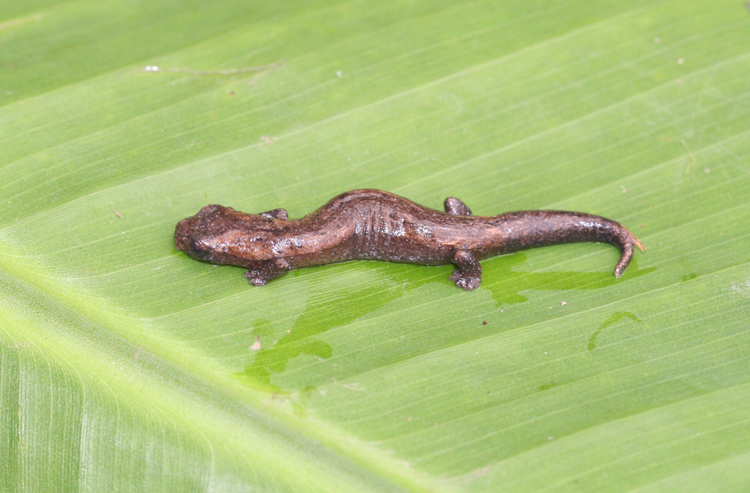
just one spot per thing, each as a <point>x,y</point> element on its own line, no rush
<point>468,273</point>
<point>456,207</point>
<point>262,272</point>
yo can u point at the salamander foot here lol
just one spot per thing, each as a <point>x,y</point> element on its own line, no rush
<point>262,272</point>
<point>468,273</point>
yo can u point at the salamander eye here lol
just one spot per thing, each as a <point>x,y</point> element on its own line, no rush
<point>210,209</point>
<point>197,246</point>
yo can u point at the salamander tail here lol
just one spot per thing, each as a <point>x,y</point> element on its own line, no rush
<point>526,229</point>
<point>627,252</point>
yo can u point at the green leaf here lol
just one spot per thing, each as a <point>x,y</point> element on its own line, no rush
<point>125,365</point>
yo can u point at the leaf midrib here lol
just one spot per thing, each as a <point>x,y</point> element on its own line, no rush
<point>173,372</point>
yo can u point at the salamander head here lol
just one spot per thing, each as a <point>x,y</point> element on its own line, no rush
<point>222,235</point>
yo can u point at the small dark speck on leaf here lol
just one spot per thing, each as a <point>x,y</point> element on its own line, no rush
<point>256,345</point>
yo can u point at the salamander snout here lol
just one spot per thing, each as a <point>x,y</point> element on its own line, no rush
<point>182,240</point>
<point>190,231</point>
<point>186,240</point>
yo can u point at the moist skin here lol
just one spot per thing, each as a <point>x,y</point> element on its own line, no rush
<point>378,225</point>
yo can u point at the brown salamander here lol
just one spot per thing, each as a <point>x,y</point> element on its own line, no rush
<point>372,224</point>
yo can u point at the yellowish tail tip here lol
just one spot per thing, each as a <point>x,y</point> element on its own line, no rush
<point>640,245</point>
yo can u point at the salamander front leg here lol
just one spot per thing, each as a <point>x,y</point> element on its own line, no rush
<point>456,207</point>
<point>468,273</point>
<point>262,272</point>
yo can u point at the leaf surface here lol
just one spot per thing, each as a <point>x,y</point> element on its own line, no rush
<point>125,365</point>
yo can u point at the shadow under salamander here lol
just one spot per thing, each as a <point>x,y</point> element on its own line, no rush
<point>330,307</point>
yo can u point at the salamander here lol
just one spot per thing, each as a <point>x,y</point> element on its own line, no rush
<point>378,225</point>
